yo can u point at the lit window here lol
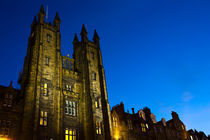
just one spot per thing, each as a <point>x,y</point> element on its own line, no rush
<point>147,126</point>
<point>96,103</point>
<point>191,137</point>
<point>45,89</point>
<point>143,128</point>
<point>68,87</point>
<point>47,61</point>
<point>43,118</point>
<point>98,128</point>
<point>183,127</point>
<point>48,38</point>
<point>94,76</point>
<point>70,108</point>
<point>70,134</point>
<point>115,121</point>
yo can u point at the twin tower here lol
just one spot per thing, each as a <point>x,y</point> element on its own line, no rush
<point>64,98</point>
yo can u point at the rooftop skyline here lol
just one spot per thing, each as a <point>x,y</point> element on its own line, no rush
<point>155,53</point>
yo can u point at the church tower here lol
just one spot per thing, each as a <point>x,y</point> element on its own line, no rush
<point>41,81</point>
<point>95,106</point>
<point>64,98</point>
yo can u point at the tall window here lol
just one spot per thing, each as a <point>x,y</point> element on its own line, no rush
<point>47,61</point>
<point>70,108</point>
<point>68,87</point>
<point>94,76</point>
<point>70,134</point>
<point>115,121</point>
<point>98,128</point>
<point>45,92</point>
<point>191,137</point>
<point>96,102</point>
<point>43,118</point>
<point>143,128</point>
<point>48,38</point>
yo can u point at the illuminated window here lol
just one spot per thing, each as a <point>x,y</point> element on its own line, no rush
<point>47,61</point>
<point>7,102</point>
<point>68,87</point>
<point>45,92</point>
<point>191,137</point>
<point>96,103</point>
<point>43,118</point>
<point>115,121</point>
<point>143,128</point>
<point>98,128</point>
<point>48,38</point>
<point>70,108</point>
<point>70,134</point>
<point>183,127</point>
<point>147,126</point>
<point>5,127</point>
<point>94,76</point>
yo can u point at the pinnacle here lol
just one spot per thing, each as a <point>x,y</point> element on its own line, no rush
<point>95,36</point>
<point>42,9</point>
<point>83,29</point>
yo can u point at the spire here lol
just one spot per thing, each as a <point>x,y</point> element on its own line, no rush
<point>41,15</point>
<point>57,21</point>
<point>75,39</point>
<point>83,33</point>
<point>95,37</point>
<point>57,17</point>
<point>42,9</point>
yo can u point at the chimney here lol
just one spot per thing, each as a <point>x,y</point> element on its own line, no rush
<point>132,110</point>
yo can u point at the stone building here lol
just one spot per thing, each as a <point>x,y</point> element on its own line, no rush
<point>143,126</point>
<point>60,97</point>
<point>63,98</point>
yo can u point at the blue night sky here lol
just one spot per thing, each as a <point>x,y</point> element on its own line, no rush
<point>156,53</point>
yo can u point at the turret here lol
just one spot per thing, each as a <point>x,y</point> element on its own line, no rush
<point>84,34</point>
<point>57,21</point>
<point>41,15</point>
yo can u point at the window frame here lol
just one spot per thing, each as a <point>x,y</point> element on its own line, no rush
<point>43,118</point>
<point>71,108</point>
<point>70,134</point>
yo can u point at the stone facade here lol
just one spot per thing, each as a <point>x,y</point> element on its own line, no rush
<point>63,98</point>
<point>143,126</point>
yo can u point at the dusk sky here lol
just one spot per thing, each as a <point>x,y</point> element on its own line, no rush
<point>156,53</point>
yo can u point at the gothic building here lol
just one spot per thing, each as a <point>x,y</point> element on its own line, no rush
<point>63,98</point>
